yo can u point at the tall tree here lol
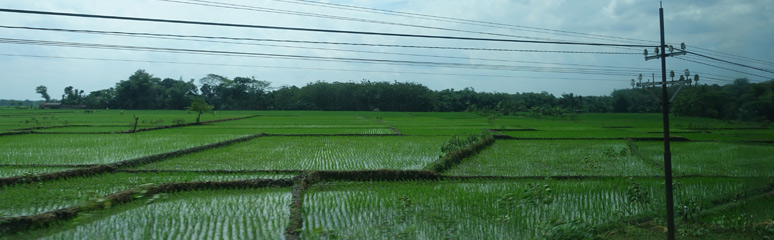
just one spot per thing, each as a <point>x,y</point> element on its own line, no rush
<point>199,106</point>
<point>72,96</point>
<point>140,91</point>
<point>43,91</point>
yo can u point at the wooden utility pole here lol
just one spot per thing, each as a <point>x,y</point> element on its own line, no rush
<point>665,100</point>
<point>670,207</point>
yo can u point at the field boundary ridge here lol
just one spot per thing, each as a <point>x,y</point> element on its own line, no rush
<point>17,224</point>
<point>112,167</point>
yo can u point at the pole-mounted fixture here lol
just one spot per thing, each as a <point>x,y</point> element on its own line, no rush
<point>672,52</point>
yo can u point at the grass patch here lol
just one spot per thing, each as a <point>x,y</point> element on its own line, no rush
<point>313,153</point>
<point>714,158</point>
<point>209,214</point>
<point>522,209</point>
<point>555,158</point>
<point>34,198</point>
<point>95,149</point>
<point>13,171</point>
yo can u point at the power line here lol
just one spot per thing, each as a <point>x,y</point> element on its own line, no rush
<point>732,63</point>
<point>458,20</point>
<point>494,24</point>
<point>310,29</point>
<point>315,58</point>
<point>738,57</point>
<point>174,37</point>
<point>297,13</point>
<point>306,14</point>
<point>302,68</point>
<point>584,65</point>
<point>698,58</point>
<point>716,66</point>
<point>130,34</point>
<point>314,42</point>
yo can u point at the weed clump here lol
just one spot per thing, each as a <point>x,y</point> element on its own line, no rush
<point>457,149</point>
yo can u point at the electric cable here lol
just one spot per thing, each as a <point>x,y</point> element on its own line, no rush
<point>309,29</point>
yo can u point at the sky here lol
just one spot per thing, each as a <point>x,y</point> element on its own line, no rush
<point>727,30</point>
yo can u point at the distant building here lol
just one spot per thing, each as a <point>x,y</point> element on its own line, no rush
<point>48,105</point>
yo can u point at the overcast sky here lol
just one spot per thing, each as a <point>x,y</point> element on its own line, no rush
<point>741,28</point>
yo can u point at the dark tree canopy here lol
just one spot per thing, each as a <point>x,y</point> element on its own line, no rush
<point>741,100</point>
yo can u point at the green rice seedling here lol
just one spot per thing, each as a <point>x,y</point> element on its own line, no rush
<point>714,158</point>
<point>95,149</point>
<point>746,134</point>
<point>449,131</point>
<point>595,133</point>
<point>13,171</point>
<point>223,129</point>
<point>746,214</point>
<point>314,153</point>
<point>34,198</point>
<point>205,214</point>
<point>87,129</point>
<point>512,209</point>
<point>555,158</point>
<point>147,118</point>
<point>304,118</point>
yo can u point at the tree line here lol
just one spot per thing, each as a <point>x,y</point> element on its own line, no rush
<point>740,100</point>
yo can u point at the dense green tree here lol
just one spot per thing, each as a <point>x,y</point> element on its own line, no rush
<point>239,93</point>
<point>177,93</point>
<point>740,100</point>
<point>199,106</point>
<point>140,91</point>
<point>72,96</point>
<point>101,99</point>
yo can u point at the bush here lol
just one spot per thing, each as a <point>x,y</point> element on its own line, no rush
<point>571,230</point>
<point>456,143</point>
<point>179,121</point>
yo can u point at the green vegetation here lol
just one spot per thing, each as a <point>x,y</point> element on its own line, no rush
<point>739,101</point>
<point>26,199</point>
<point>116,120</point>
<point>377,174</point>
<point>715,158</point>
<point>199,106</point>
<point>11,171</point>
<point>95,149</point>
<point>753,219</point>
<point>483,209</point>
<point>565,157</point>
<point>222,214</point>
<point>313,153</point>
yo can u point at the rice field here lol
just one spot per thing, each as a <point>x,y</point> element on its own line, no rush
<point>595,133</point>
<point>298,130</point>
<point>574,175</point>
<point>715,158</point>
<point>481,209</point>
<point>314,153</point>
<point>11,171</point>
<point>28,199</point>
<point>95,148</point>
<point>565,158</point>
<point>224,214</point>
<point>11,119</point>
